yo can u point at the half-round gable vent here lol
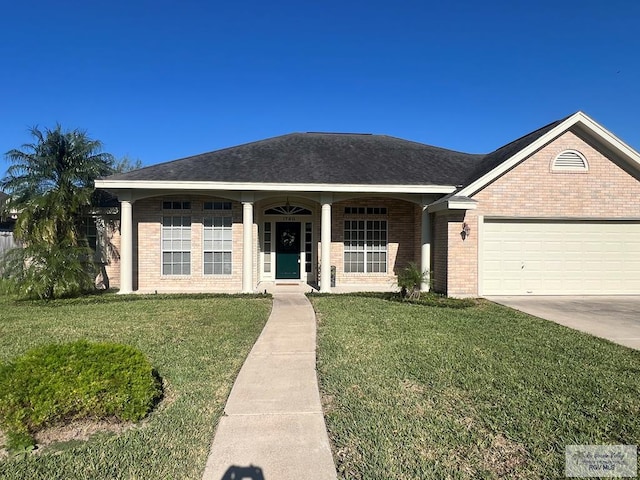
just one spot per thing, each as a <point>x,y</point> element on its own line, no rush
<point>570,161</point>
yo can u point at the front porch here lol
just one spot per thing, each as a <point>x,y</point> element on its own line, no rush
<point>252,242</point>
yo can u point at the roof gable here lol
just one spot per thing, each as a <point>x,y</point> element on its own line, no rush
<point>505,158</point>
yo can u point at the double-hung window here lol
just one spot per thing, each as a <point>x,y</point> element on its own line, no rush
<point>218,238</point>
<point>365,246</point>
<point>176,239</point>
<point>176,245</point>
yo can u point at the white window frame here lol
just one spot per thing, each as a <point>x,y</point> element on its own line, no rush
<point>176,242</point>
<point>217,241</point>
<point>370,242</point>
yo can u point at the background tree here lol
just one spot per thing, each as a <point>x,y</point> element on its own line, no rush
<point>50,183</point>
<point>127,164</point>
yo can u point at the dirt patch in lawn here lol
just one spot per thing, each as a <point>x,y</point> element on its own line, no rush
<point>77,431</point>
<point>80,430</point>
<point>504,457</point>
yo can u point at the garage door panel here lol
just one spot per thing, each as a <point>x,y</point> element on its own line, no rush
<point>560,257</point>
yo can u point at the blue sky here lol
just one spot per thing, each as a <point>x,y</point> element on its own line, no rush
<point>160,80</point>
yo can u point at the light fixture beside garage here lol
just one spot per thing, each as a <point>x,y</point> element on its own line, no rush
<point>466,230</point>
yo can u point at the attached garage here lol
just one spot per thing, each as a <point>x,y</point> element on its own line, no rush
<point>559,257</point>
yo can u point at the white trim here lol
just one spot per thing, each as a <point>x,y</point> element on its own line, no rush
<point>263,275</point>
<point>425,247</point>
<point>163,251</point>
<point>247,247</point>
<point>631,155</point>
<point>292,187</point>
<point>499,218</point>
<point>480,258</point>
<point>211,216</point>
<point>453,204</point>
<point>126,247</point>
<point>325,246</point>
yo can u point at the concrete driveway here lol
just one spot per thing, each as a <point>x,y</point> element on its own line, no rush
<point>616,318</point>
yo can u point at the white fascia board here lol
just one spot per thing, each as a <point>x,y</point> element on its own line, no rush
<point>277,187</point>
<point>578,117</point>
<point>614,141</point>
<point>453,204</point>
<point>507,165</point>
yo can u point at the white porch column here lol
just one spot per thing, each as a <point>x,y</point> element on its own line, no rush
<point>247,247</point>
<point>325,252</point>
<point>126,247</point>
<point>425,250</point>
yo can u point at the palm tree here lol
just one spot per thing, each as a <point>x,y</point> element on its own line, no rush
<point>50,183</point>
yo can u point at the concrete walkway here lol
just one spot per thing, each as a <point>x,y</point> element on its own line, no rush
<point>273,428</point>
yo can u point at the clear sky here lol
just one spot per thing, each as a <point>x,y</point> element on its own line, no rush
<point>160,80</point>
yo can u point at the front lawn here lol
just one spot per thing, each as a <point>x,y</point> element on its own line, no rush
<point>196,343</point>
<point>417,391</point>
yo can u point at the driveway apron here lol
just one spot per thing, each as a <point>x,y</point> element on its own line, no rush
<point>616,318</point>
<point>273,427</point>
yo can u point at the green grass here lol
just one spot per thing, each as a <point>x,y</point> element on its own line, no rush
<point>420,391</point>
<point>196,343</point>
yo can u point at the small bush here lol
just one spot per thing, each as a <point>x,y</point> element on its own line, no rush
<point>410,280</point>
<point>56,384</point>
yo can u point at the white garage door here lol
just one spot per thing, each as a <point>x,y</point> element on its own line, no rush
<point>520,257</point>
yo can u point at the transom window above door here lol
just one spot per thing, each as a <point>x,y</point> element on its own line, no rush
<point>287,210</point>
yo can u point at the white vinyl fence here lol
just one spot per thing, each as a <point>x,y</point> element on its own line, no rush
<point>6,241</point>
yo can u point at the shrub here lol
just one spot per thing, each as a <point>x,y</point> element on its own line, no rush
<point>56,384</point>
<point>410,279</point>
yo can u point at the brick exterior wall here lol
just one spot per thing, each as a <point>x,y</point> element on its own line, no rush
<point>111,251</point>
<point>403,225</point>
<point>147,248</point>
<point>532,190</point>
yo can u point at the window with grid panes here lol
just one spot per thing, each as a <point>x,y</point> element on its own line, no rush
<point>308,247</point>
<point>267,247</point>
<point>176,245</point>
<point>217,240</point>
<point>365,246</point>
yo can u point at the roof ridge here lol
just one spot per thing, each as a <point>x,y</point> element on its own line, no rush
<point>342,133</point>
<point>432,146</point>
<point>556,122</point>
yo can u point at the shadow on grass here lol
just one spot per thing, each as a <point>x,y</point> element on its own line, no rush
<point>427,299</point>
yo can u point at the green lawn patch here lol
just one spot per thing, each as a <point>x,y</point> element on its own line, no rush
<point>421,391</point>
<point>196,343</point>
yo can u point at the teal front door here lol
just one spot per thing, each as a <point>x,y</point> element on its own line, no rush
<point>287,250</point>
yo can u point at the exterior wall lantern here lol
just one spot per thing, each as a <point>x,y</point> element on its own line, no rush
<point>466,231</point>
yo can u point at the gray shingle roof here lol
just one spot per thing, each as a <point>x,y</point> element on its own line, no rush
<point>495,158</point>
<point>335,158</point>
<point>319,158</point>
